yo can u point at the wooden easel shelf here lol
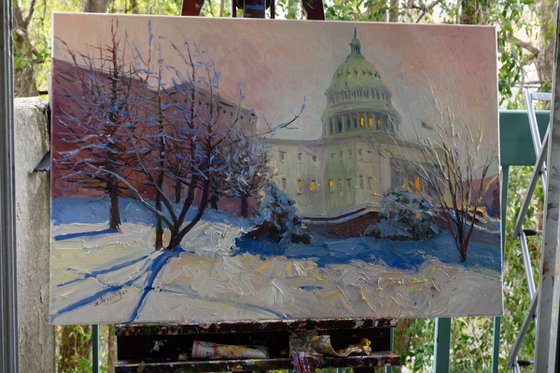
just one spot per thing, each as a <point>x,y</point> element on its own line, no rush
<point>378,359</point>
<point>157,348</point>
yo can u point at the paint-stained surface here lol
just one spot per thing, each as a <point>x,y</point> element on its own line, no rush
<point>228,170</point>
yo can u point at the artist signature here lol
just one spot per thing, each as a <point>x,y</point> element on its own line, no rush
<point>111,298</point>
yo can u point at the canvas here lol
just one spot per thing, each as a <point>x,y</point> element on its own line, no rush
<point>208,170</point>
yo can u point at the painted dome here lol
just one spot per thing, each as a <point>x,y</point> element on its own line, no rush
<point>355,71</point>
<point>357,98</point>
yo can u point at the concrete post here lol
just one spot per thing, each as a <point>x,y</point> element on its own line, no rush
<point>36,337</point>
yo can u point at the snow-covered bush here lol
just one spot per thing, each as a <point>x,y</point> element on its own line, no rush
<point>277,218</point>
<point>404,216</point>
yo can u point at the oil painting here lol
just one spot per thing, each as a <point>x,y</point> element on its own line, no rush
<point>208,170</point>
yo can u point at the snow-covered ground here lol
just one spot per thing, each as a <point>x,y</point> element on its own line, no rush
<point>100,276</point>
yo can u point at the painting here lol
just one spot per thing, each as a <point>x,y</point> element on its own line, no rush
<point>209,170</point>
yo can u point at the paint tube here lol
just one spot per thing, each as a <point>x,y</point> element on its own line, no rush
<point>210,350</point>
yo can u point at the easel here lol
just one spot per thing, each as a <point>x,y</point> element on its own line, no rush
<point>136,343</point>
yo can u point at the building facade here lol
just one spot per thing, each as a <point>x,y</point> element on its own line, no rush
<point>358,157</point>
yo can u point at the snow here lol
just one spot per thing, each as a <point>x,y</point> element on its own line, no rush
<point>111,277</point>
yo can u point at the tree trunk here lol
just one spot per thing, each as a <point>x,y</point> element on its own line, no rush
<point>25,84</point>
<point>133,7</point>
<point>244,206</point>
<point>393,10</point>
<point>114,213</point>
<point>178,187</point>
<point>214,202</point>
<point>402,337</point>
<point>178,233</point>
<point>546,41</point>
<point>159,227</point>
<point>96,6</point>
<point>111,348</point>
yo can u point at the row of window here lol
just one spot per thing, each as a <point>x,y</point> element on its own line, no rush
<point>341,185</point>
<point>359,94</point>
<point>347,122</point>
<point>356,72</point>
<point>282,155</point>
<point>349,151</point>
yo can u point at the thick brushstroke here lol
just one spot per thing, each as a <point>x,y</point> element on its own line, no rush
<point>69,236</point>
<point>156,266</point>
<point>104,271</point>
<point>239,305</point>
<point>113,288</point>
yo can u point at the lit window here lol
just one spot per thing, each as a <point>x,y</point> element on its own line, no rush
<point>362,122</point>
<point>417,184</point>
<point>331,185</point>
<point>379,123</point>
<point>370,122</point>
<point>313,185</point>
<point>299,186</point>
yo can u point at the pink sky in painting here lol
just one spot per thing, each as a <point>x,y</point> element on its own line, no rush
<point>279,63</point>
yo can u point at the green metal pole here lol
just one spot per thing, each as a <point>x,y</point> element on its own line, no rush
<point>442,342</point>
<point>95,348</point>
<point>498,320</point>
<point>392,337</point>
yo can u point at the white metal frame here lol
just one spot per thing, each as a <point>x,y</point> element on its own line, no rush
<point>545,299</point>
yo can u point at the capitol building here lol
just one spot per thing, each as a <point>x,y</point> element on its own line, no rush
<point>358,157</point>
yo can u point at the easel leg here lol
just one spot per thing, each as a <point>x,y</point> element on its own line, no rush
<point>442,341</point>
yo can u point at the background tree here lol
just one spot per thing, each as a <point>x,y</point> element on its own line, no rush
<point>96,6</point>
<point>26,56</point>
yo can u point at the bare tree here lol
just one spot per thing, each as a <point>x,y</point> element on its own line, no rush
<point>96,120</point>
<point>453,168</point>
<point>458,184</point>
<point>182,134</point>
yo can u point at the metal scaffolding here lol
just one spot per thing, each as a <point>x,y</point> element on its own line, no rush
<point>545,297</point>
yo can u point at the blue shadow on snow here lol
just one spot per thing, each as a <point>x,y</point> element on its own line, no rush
<point>397,254</point>
<point>68,236</point>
